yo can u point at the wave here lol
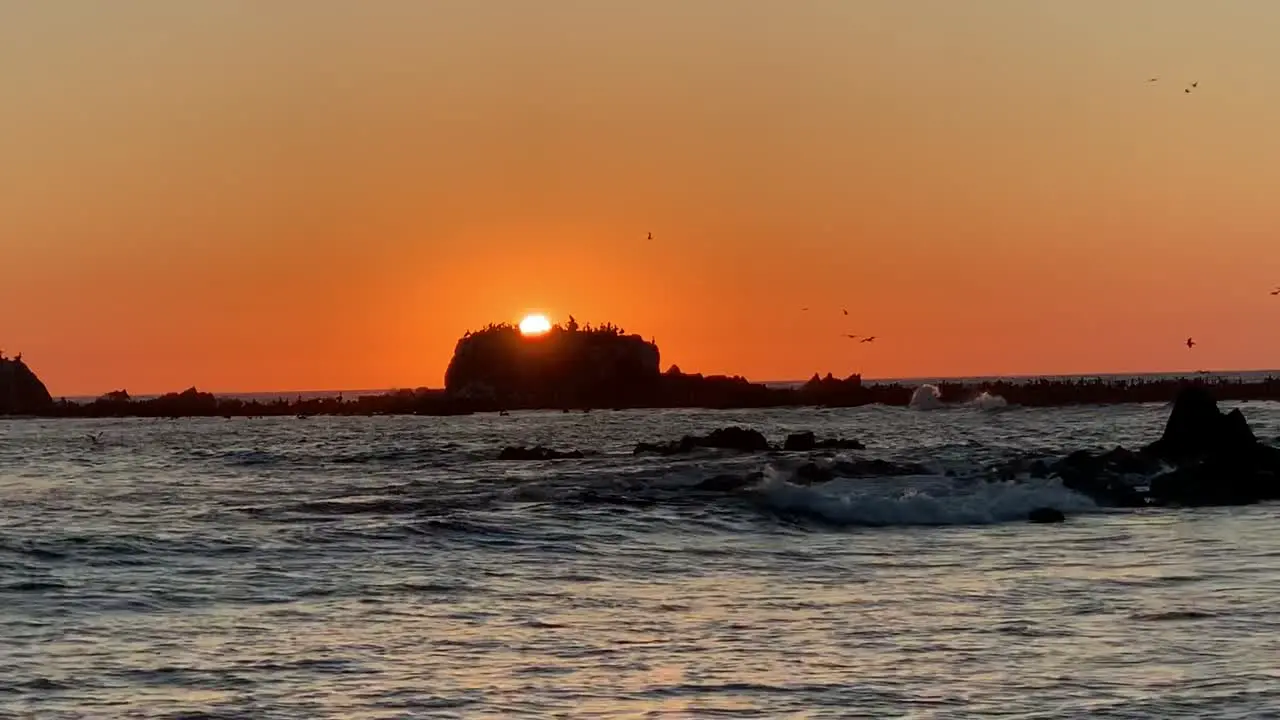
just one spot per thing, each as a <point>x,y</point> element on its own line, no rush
<point>929,397</point>
<point>921,500</point>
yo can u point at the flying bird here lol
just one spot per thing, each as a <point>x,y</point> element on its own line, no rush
<point>1276,291</point>
<point>1151,80</point>
<point>846,312</point>
<point>869,338</point>
<point>1186,90</point>
<point>804,309</point>
<point>1191,343</point>
<point>1194,84</point>
<point>650,236</point>
<point>852,337</point>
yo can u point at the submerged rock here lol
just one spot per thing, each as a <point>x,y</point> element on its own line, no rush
<point>731,438</point>
<point>1046,515</point>
<point>807,441</point>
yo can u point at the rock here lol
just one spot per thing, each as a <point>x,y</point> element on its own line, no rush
<point>730,438</point>
<point>1046,515</point>
<point>806,441</point>
<point>21,392</point>
<point>812,474</point>
<point>565,367</point>
<point>1217,458</point>
<point>1196,427</point>
<point>537,453</point>
<point>800,442</point>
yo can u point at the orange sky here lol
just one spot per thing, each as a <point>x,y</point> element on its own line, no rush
<point>246,195</point>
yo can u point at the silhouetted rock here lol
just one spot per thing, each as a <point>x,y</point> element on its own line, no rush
<point>565,367</point>
<point>21,392</point>
<point>730,438</point>
<point>537,453</point>
<point>1046,515</point>
<point>812,474</point>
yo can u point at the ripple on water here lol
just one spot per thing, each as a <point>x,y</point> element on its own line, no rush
<point>384,567</point>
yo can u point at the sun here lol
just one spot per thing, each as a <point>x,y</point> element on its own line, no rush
<point>535,324</point>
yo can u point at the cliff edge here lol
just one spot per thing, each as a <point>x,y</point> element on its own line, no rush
<point>21,392</point>
<point>567,366</point>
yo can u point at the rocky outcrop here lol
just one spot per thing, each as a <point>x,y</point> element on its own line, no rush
<point>807,441</point>
<point>730,438</point>
<point>1204,457</point>
<point>1216,457</point>
<point>21,391</point>
<point>565,367</point>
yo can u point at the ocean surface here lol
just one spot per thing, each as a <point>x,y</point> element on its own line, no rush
<point>390,567</point>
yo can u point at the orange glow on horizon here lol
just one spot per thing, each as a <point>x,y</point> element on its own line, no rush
<point>251,197</point>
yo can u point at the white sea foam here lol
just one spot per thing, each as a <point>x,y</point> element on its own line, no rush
<point>919,500</point>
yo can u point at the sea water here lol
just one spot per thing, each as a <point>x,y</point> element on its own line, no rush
<point>392,567</point>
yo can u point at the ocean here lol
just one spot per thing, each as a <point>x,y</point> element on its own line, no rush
<point>391,567</point>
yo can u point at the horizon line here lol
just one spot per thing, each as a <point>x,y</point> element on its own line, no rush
<point>884,380</point>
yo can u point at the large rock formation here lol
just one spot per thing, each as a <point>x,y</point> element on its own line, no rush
<point>21,392</point>
<point>565,367</point>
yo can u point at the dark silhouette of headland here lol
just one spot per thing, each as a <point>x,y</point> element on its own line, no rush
<point>21,392</point>
<point>579,367</point>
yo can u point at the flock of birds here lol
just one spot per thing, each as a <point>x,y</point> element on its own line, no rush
<point>1191,341</point>
<point>1187,89</point>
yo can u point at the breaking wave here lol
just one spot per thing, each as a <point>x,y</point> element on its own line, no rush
<point>921,500</point>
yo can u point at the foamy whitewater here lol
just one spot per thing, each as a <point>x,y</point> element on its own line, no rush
<point>392,567</point>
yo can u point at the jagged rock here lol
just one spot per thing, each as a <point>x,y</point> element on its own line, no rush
<point>730,438</point>
<point>537,453</point>
<point>1218,459</point>
<point>1046,515</point>
<point>806,441</point>
<point>21,392</point>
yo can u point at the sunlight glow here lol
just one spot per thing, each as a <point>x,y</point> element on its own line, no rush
<point>534,325</point>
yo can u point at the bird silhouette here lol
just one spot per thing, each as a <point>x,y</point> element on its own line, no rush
<point>1186,90</point>
<point>846,312</point>
<point>804,309</point>
<point>852,337</point>
<point>1196,83</point>
<point>1190,343</point>
<point>1276,291</point>
<point>869,338</point>
<point>1151,80</point>
<point>650,236</point>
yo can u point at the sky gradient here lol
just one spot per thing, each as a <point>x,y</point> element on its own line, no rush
<point>248,195</point>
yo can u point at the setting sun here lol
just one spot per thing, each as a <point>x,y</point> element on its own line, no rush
<point>534,325</point>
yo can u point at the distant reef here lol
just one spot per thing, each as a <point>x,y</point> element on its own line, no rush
<point>582,368</point>
<point>21,392</point>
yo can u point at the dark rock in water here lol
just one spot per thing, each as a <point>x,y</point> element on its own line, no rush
<point>735,438</point>
<point>21,392</point>
<point>538,453</point>
<point>812,474</point>
<point>807,441</point>
<point>800,442</point>
<point>1046,515</point>
<point>1196,427</point>
<point>1217,458</point>
<point>730,438</point>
